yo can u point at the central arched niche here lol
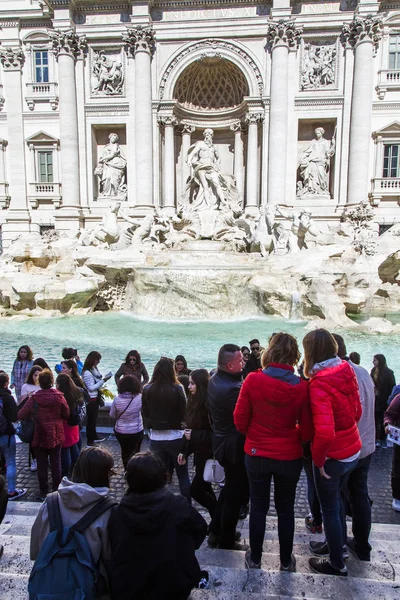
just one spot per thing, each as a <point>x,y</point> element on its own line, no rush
<point>211,84</point>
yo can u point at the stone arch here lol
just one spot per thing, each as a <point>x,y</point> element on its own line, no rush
<point>211,48</point>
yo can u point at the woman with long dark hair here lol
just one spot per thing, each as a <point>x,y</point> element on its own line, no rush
<point>198,437</point>
<point>31,386</point>
<point>126,410</point>
<point>181,367</point>
<point>133,366</point>
<point>384,381</point>
<point>164,412</point>
<point>70,368</point>
<point>21,367</point>
<point>70,447</point>
<point>93,380</point>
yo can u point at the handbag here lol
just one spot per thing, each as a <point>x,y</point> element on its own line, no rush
<point>25,429</point>
<point>213,471</point>
<point>100,399</point>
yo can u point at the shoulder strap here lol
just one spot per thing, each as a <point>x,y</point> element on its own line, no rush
<point>53,508</point>
<point>94,513</point>
<point>126,408</point>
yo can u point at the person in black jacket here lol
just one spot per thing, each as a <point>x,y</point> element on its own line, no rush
<point>8,416</point>
<point>384,381</point>
<point>228,447</point>
<point>198,439</point>
<point>153,536</point>
<point>164,412</point>
<point>253,363</point>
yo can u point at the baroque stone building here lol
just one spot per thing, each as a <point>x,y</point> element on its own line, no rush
<point>102,100</point>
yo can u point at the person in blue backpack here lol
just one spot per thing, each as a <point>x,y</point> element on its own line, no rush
<point>84,509</point>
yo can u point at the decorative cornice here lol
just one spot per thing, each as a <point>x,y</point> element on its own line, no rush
<point>38,116</point>
<point>100,110</point>
<point>334,101</point>
<point>140,39</point>
<point>284,33</point>
<point>167,120</point>
<point>67,42</point>
<point>5,23</point>
<point>96,7</point>
<point>12,59</point>
<point>179,4</point>
<point>391,106</point>
<point>362,29</point>
<point>34,24</point>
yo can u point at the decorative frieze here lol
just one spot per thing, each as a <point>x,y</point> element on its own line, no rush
<point>140,39</point>
<point>284,33</point>
<point>67,42</point>
<point>318,65</point>
<point>362,29</point>
<point>12,59</point>
<point>107,71</point>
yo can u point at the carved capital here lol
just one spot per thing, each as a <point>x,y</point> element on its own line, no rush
<point>167,120</point>
<point>140,39</point>
<point>254,118</point>
<point>187,128</point>
<point>284,33</point>
<point>236,126</point>
<point>12,59</point>
<point>362,29</point>
<point>67,42</point>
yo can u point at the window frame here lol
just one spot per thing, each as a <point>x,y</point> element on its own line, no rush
<point>39,153</point>
<point>41,67</point>
<point>395,53</point>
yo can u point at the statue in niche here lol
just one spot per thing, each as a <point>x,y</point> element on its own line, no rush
<point>318,68</point>
<point>111,170</point>
<point>314,164</point>
<point>208,188</point>
<point>108,74</point>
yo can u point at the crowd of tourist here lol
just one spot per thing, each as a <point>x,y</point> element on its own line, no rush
<point>254,416</point>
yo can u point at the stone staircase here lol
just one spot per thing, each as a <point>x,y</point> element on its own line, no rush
<point>229,580</point>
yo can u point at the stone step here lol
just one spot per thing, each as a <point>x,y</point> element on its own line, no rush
<point>13,586</point>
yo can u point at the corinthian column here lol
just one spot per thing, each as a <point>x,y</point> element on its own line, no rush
<point>253,119</point>
<point>282,35</point>
<point>364,34</point>
<point>169,122</point>
<point>238,155</point>
<point>141,43</point>
<point>187,131</point>
<point>67,46</point>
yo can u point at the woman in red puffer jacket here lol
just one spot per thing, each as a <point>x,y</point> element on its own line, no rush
<point>273,413</point>
<point>336,409</point>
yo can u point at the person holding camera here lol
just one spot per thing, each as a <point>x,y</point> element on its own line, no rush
<point>93,381</point>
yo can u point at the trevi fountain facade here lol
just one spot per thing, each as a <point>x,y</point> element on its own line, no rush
<point>201,159</point>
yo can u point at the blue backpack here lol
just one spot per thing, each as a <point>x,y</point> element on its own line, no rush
<point>64,568</point>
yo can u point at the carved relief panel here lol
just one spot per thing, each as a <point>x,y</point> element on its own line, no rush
<point>107,71</point>
<point>319,65</point>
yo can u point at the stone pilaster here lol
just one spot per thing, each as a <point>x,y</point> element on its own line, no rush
<point>252,119</point>
<point>141,43</point>
<point>67,46</point>
<point>186,132</point>
<point>282,36</point>
<point>17,221</point>
<point>169,122</point>
<point>238,155</point>
<point>363,34</point>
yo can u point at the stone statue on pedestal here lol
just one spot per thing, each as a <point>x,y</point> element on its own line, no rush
<point>111,170</point>
<point>314,164</point>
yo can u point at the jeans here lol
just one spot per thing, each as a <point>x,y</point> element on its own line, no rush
<point>233,495</point>
<point>130,444</point>
<point>167,449</point>
<point>356,492</point>
<point>42,455</point>
<point>329,494</point>
<point>201,490</point>
<point>92,409</point>
<point>312,496</point>
<point>286,474</point>
<point>395,472</point>
<point>69,456</point>
<point>8,448</point>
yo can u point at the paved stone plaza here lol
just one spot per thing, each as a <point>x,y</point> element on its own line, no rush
<point>379,482</point>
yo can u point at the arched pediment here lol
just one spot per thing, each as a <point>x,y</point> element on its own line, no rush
<point>36,37</point>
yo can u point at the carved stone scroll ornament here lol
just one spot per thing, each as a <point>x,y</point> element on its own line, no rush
<point>254,118</point>
<point>167,120</point>
<point>140,39</point>
<point>361,29</point>
<point>67,42</point>
<point>285,33</point>
<point>187,128</point>
<point>12,59</point>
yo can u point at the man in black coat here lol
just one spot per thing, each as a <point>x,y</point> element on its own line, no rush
<point>254,361</point>
<point>228,447</point>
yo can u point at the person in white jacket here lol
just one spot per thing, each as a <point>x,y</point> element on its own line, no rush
<point>93,380</point>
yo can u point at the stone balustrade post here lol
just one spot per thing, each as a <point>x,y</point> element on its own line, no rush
<point>169,123</point>
<point>238,156</point>
<point>282,36</point>
<point>186,131</point>
<point>252,119</point>
<point>141,43</point>
<point>67,46</point>
<point>364,34</point>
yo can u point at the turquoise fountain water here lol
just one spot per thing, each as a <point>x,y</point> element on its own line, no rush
<point>114,334</point>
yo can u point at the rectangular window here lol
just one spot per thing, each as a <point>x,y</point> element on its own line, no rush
<point>391,165</point>
<point>45,166</point>
<point>394,52</point>
<point>41,58</point>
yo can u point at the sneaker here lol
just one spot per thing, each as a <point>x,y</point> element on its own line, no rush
<point>321,549</point>
<point>249,563</point>
<point>33,465</point>
<point>378,444</point>
<point>311,526</point>
<point>384,444</point>
<point>204,579</point>
<point>97,440</point>
<point>351,546</point>
<point>324,567</point>
<point>291,568</point>
<point>396,505</point>
<point>17,493</point>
